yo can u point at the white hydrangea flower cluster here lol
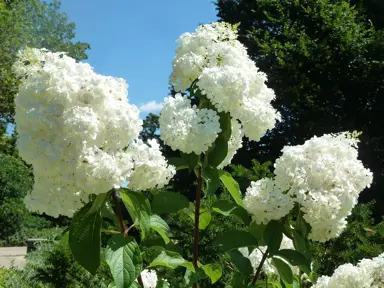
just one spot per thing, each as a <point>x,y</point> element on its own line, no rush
<point>257,254</point>
<point>151,169</point>
<point>75,127</point>
<point>266,202</point>
<point>323,176</point>
<point>187,128</point>
<point>212,60</point>
<point>369,273</point>
<point>234,143</point>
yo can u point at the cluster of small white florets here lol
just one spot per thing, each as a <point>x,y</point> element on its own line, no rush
<point>213,61</point>
<point>368,273</point>
<point>149,278</point>
<point>323,176</point>
<point>257,254</point>
<point>75,128</point>
<point>187,128</point>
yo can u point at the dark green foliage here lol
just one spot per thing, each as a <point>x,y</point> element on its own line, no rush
<point>323,59</point>
<point>151,127</point>
<point>182,229</point>
<point>361,239</point>
<point>15,182</point>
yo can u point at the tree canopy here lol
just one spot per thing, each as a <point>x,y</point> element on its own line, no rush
<point>325,61</point>
<point>31,23</point>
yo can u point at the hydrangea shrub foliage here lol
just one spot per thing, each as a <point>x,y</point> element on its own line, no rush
<point>80,134</point>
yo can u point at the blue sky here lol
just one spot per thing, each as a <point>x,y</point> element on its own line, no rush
<point>136,39</point>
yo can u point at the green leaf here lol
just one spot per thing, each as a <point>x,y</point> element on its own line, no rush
<point>168,202</point>
<point>192,277</point>
<point>98,202</point>
<point>294,258</point>
<point>179,163</point>
<point>213,271</point>
<point>301,244</point>
<point>190,160</point>
<point>302,225</point>
<point>232,186</point>
<point>241,262</point>
<point>124,259</point>
<point>227,208</point>
<point>257,230</point>
<point>205,216</point>
<point>138,207</point>
<point>234,239</point>
<point>162,284</point>
<point>161,227</point>
<point>273,235</point>
<point>284,270</point>
<point>239,281</point>
<point>220,147</point>
<point>85,238</point>
<point>212,179</point>
<point>170,260</point>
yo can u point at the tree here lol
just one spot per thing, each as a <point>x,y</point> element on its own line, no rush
<point>36,24</point>
<point>151,127</point>
<point>15,182</point>
<point>323,59</point>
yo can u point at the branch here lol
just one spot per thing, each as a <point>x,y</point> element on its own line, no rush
<point>197,219</point>
<point>123,228</point>
<point>259,268</point>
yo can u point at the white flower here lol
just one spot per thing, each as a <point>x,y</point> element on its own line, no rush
<point>266,201</point>
<point>234,143</point>
<point>73,127</point>
<point>325,178</point>
<point>369,273</point>
<point>187,128</point>
<point>149,278</point>
<point>151,168</point>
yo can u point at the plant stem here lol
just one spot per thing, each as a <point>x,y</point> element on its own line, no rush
<point>197,219</point>
<point>118,212</point>
<point>258,271</point>
<point>124,229</point>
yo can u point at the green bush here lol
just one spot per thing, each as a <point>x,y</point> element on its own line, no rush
<point>52,265</point>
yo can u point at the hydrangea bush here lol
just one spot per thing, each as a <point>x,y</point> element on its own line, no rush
<point>80,134</point>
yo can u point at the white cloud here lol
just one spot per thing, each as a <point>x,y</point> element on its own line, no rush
<point>151,106</point>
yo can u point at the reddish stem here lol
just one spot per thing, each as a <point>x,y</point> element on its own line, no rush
<point>197,219</point>
<point>123,228</point>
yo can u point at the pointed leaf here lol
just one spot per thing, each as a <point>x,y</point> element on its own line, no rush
<point>232,186</point>
<point>124,259</point>
<point>241,262</point>
<point>257,230</point>
<point>234,239</point>
<point>205,216</point>
<point>170,260</point>
<point>168,202</point>
<point>294,258</point>
<point>212,179</point>
<point>85,238</point>
<point>179,163</point>
<point>213,271</point>
<point>284,270</point>
<point>227,208</point>
<point>273,235</point>
<point>139,208</point>
<point>220,147</point>
<point>161,227</point>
